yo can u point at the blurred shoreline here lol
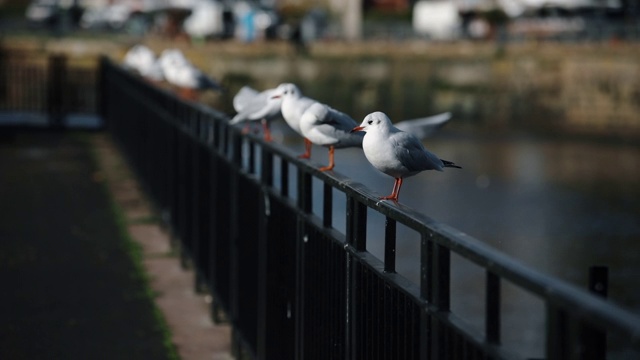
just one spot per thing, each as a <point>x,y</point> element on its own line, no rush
<point>589,90</point>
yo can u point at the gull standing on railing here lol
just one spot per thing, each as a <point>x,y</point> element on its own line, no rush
<point>396,153</point>
<point>185,76</point>
<point>293,105</point>
<point>325,126</point>
<point>252,105</point>
<point>143,60</point>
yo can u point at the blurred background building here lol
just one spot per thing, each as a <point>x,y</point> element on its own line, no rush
<point>310,20</point>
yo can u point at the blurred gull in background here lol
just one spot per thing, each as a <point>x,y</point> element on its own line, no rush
<point>252,105</point>
<point>143,60</point>
<point>179,72</point>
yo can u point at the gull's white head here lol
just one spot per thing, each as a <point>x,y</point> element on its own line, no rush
<point>375,120</point>
<point>287,90</point>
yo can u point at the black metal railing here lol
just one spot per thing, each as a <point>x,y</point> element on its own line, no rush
<point>44,90</point>
<point>291,284</point>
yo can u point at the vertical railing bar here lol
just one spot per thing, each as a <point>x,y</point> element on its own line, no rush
<point>441,277</point>
<point>327,205</point>
<point>390,245</point>
<point>305,189</point>
<point>426,267</point>
<point>56,77</point>
<point>236,148</point>
<point>284,177</point>
<point>593,340</point>
<point>263,238</point>
<point>226,147</point>
<point>235,157</point>
<point>356,224</point>
<point>356,232</point>
<point>557,333</point>
<point>430,345</point>
<point>299,301</point>
<point>266,167</point>
<point>492,316</point>
<point>251,166</point>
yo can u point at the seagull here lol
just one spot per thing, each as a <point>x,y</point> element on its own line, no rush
<point>325,126</point>
<point>143,60</point>
<point>181,73</point>
<point>294,104</point>
<point>252,105</point>
<point>396,153</point>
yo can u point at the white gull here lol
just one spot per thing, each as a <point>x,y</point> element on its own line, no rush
<point>181,73</point>
<point>325,126</point>
<point>252,105</point>
<point>396,153</point>
<point>294,104</point>
<point>143,60</point>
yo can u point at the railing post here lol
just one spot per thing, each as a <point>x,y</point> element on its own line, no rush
<point>56,89</point>
<point>438,296</point>
<point>557,334</point>
<point>284,177</point>
<point>356,236</point>
<point>593,341</point>
<point>356,224</point>
<point>101,91</point>
<point>441,277</point>
<point>390,245</point>
<point>426,248</point>
<point>235,220</point>
<point>327,205</point>
<point>266,167</point>
<point>304,191</point>
<point>492,317</point>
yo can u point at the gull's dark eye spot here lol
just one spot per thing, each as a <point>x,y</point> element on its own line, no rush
<point>370,122</point>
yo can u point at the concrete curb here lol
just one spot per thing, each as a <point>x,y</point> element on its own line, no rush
<point>187,313</point>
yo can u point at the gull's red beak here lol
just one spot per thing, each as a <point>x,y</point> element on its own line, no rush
<point>276,96</point>
<point>357,128</point>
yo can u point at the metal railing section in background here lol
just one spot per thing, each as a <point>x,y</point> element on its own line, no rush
<point>47,90</point>
<point>291,284</point>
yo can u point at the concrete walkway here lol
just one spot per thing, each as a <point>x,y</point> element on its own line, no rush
<point>70,289</point>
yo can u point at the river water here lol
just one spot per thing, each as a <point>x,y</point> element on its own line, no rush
<point>558,205</point>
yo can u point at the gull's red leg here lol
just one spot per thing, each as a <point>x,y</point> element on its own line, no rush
<point>190,94</point>
<point>307,149</point>
<point>266,131</point>
<point>395,192</point>
<point>331,162</point>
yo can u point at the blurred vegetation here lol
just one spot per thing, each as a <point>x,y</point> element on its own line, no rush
<point>13,8</point>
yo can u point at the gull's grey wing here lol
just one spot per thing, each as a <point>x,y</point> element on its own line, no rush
<point>412,154</point>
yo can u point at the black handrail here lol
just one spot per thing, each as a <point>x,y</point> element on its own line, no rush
<point>294,287</point>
